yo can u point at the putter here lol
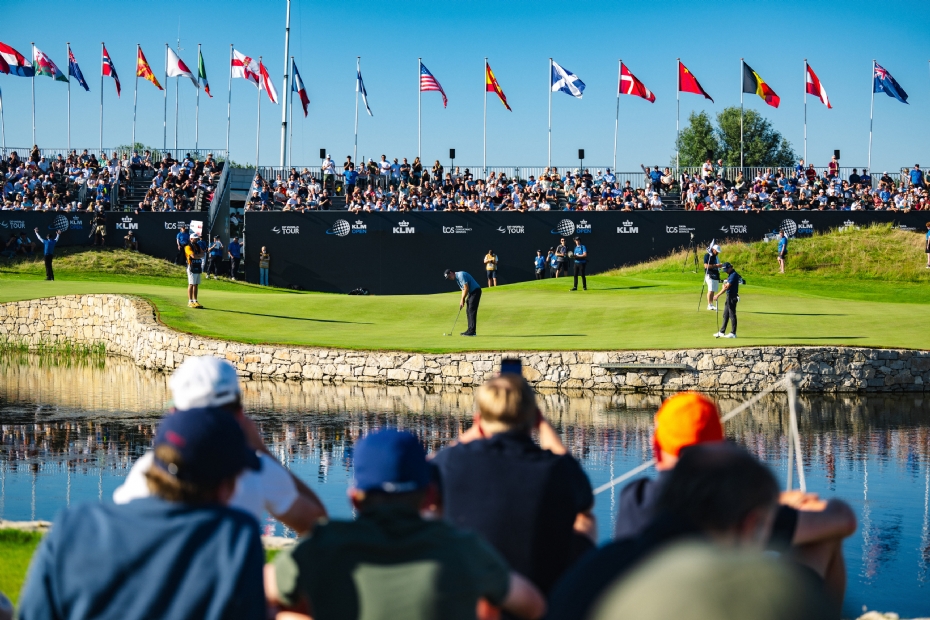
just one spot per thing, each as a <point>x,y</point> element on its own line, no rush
<point>454,322</point>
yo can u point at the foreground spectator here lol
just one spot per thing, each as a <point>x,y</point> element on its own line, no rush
<point>390,563</point>
<point>181,553</point>
<point>532,502</point>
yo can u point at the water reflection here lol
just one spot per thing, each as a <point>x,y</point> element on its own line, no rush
<point>70,434</point>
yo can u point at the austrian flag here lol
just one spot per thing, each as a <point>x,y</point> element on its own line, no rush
<point>814,87</point>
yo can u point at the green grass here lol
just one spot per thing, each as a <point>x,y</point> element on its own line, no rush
<point>16,549</point>
<point>856,288</point>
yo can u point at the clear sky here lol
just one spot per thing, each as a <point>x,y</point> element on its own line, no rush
<point>839,40</point>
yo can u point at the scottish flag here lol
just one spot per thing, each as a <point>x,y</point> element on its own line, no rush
<point>566,81</point>
<point>884,83</point>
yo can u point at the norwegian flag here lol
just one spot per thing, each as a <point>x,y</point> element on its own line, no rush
<point>109,70</point>
<point>244,67</point>
<point>429,83</point>
<point>629,85</point>
<point>815,88</point>
<point>266,84</point>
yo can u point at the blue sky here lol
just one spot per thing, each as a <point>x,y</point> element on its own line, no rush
<point>839,39</point>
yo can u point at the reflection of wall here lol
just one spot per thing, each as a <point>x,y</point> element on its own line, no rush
<point>128,327</point>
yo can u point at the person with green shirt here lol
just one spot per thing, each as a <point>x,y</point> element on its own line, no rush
<point>264,262</point>
<point>390,563</point>
<point>490,265</point>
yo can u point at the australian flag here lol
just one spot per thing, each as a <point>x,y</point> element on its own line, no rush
<point>884,83</point>
<point>75,71</point>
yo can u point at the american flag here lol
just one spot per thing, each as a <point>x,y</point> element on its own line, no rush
<point>428,83</point>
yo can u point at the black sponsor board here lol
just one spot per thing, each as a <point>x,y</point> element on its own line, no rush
<point>156,232</point>
<point>75,228</point>
<point>406,253</point>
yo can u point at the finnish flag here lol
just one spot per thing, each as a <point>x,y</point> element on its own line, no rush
<point>360,87</point>
<point>566,81</point>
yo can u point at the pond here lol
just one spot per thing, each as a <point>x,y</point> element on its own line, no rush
<point>70,434</point>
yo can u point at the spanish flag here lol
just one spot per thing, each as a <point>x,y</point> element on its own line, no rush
<point>143,70</point>
<point>492,86</point>
<point>752,83</point>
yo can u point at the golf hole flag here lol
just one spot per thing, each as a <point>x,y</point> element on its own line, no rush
<point>815,88</point>
<point>687,83</point>
<point>177,68</point>
<point>492,86</point>
<point>43,65</point>
<point>299,88</point>
<point>13,62</point>
<point>752,83</point>
<point>629,85</point>
<point>109,70</point>
<point>429,83</point>
<point>884,83</point>
<point>144,71</point>
<point>565,81</point>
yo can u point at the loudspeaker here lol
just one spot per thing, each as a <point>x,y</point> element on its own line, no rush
<point>836,153</point>
<point>709,154</point>
<point>580,153</point>
<point>451,153</point>
<point>322,153</point>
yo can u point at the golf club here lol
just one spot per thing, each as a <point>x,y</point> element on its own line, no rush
<point>454,322</point>
<point>706,269</point>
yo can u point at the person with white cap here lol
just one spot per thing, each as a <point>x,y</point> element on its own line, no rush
<point>212,382</point>
<point>193,253</point>
<point>712,265</point>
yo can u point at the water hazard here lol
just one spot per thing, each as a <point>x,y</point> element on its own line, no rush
<point>69,434</point>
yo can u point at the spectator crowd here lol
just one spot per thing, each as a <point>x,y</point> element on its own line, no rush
<point>497,524</point>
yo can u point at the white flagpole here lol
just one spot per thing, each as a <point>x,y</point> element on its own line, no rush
<point>290,122</point>
<point>135,100</point>
<point>164,127</point>
<point>871,114</point>
<point>677,121</point>
<point>101,98</point>
<point>229,100</point>
<point>549,155</point>
<point>805,110</point>
<point>33,93</point>
<point>617,119</point>
<point>741,113</point>
<point>419,97</point>
<point>197,105</point>
<point>287,100</point>
<point>68,45</point>
<point>258,122</point>
<point>485,160</point>
<point>2,129</point>
<point>358,71</point>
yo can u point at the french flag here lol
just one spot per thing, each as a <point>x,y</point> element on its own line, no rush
<point>13,62</point>
<point>299,88</point>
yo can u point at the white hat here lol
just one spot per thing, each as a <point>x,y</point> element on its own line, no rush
<point>204,382</point>
<point>715,247</point>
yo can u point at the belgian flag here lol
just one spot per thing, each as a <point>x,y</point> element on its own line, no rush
<point>752,83</point>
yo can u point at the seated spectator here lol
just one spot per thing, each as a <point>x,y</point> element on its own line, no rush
<point>212,382</point>
<point>532,502</point>
<point>182,553</point>
<point>391,563</point>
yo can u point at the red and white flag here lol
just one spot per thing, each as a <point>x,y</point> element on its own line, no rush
<point>266,84</point>
<point>177,68</point>
<point>815,88</point>
<point>629,85</point>
<point>244,67</point>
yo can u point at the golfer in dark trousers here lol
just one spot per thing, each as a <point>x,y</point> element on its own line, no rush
<point>731,286</point>
<point>471,297</point>
<point>581,263</point>
<point>49,244</point>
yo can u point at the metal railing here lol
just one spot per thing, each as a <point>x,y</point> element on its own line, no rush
<point>103,154</point>
<point>219,194</point>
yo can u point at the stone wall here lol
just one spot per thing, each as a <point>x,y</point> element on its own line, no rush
<point>129,327</point>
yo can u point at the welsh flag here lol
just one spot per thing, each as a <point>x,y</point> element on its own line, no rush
<point>43,65</point>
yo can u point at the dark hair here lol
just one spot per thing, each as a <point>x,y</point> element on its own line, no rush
<point>372,499</point>
<point>169,488</point>
<point>716,486</point>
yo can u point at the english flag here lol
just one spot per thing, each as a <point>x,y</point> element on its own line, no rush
<point>244,67</point>
<point>687,83</point>
<point>299,88</point>
<point>13,62</point>
<point>109,70</point>
<point>266,84</point>
<point>629,85</point>
<point>177,68</point>
<point>814,87</point>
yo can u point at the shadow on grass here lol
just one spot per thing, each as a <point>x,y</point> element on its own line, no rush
<point>808,338</point>
<point>292,318</point>
<point>626,288</point>
<point>799,313</point>
<point>550,336</point>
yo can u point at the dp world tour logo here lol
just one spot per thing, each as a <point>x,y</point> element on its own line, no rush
<point>566,228</point>
<point>341,228</point>
<point>789,227</point>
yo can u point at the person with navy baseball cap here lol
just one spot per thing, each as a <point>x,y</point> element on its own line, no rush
<point>397,563</point>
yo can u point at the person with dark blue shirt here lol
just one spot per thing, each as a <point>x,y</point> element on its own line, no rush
<point>539,264</point>
<point>182,239</point>
<point>214,256</point>
<point>235,256</point>
<point>471,296</point>
<point>731,287</point>
<point>581,262</point>
<point>49,245</point>
<point>182,553</point>
<point>351,178</point>
<point>782,250</point>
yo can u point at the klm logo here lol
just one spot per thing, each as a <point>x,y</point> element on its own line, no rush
<point>127,224</point>
<point>359,228</point>
<point>583,227</point>
<point>627,228</point>
<point>403,228</point>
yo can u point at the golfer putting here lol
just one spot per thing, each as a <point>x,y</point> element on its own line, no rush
<point>471,297</point>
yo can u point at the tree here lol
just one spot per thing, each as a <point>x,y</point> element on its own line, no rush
<point>762,144</point>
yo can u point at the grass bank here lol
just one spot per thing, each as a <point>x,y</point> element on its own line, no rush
<point>16,549</point>
<point>855,288</point>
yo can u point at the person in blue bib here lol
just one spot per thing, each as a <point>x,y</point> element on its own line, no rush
<point>471,297</point>
<point>539,264</point>
<point>782,250</point>
<point>183,239</point>
<point>581,262</point>
<point>49,250</point>
<point>731,287</point>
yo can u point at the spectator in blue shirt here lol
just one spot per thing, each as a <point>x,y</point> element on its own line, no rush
<point>235,256</point>
<point>539,263</point>
<point>917,176</point>
<point>471,295</point>
<point>182,239</point>
<point>782,250</point>
<point>351,177</point>
<point>49,246</point>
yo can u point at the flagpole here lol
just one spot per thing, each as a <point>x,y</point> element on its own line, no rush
<point>101,96</point>
<point>290,122</point>
<point>229,100</point>
<point>197,105</point>
<point>741,113</point>
<point>617,118</point>
<point>34,93</point>
<point>805,110</point>
<point>258,122</point>
<point>485,156</point>
<point>549,155</point>
<point>164,126</point>
<point>358,71</point>
<point>871,115</point>
<point>677,121</point>
<point>419,97</point>
<point>135,99</point>
<point>287,51</point>
<point>68,45</point>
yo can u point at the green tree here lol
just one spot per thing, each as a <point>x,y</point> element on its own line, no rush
<point>695,140</point>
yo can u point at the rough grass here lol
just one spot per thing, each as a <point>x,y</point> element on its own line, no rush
<point>16,549</point>
<point>98,261</point>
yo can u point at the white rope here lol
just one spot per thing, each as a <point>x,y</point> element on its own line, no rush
<point>794,433</point>
<point>732,414</point>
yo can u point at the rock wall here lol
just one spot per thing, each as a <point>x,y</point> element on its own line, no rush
<point>129,327</point>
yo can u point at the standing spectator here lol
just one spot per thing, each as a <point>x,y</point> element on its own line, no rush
<point>539,264</point>
<point>707,170</point>
<point>351,177</point>
<point>782,250</point>
<point>214,256</point>
<point>235,255</point>
<point>917,177</point>
<point>384,169</point>
<point>581,263</point>
<point>264,262</point>
<point>193,253</point>
<point>490,265</point>
<point>833,168</point>
<point>561,258</point>
<point>49,252</point>
<point>182,239</point>
<point>927,245</point>
<point>329,172</point>
<point>552,261</point>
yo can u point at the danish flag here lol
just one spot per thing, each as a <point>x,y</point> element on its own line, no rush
<point>629,85</point>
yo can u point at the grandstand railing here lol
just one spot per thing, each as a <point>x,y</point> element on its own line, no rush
<point>157,154</point>
<point>220,194</point>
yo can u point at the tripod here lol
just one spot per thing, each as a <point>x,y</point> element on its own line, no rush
<point>690,252</point>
